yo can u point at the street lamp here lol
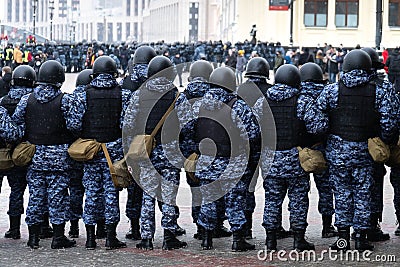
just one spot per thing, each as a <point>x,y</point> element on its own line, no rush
<point>291,23</point>
<point>51,7</point>
<point>34,5</point>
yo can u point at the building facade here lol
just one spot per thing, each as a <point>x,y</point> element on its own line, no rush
<point>347,22</point>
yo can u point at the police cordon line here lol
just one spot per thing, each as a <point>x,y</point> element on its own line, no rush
<point>222,134</point>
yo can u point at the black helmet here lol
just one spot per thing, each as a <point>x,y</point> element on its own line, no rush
<point>357,60</point>
<point>376,63</point>
<point>224,77</point>
<point>105,64</point>
<point>24,75</point>
<point>84,77</point>
<point>288,74</point>
<point>143,55</point>
<point>162,67</point>
<point>257,67</point>
<point>51,72</point>
<point>311,72</point>
<point>200,68</point>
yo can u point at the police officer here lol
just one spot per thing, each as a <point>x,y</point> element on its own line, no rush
<point>158,177</point>
<point>138,71</point>
<point>41,118</point>
<point>369,110</point>
<point>285,173</point>
<point>137,76</point>
<point>76,188</point>
<point>257,73</point>
<point>23,81</point>
<point>101,118</point>
<point>224,167</point>
<point>375,233</point>
<point>312,84</point>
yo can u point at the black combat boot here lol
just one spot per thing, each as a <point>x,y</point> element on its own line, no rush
<point>360,241</point>
<point>239,242</point>
<point>179,230</point>
<point>112,241</point>
<point>281,233</point>
<point>220,230</point>
<point>90,237</point>
<point>207,242</point>
<point>270,240</point>
<point>14,232</point>
<point>34,233</point>
<point>343,242</point>
<point>74,229</point>
<point>249,225</point>
<point>59,239</point>
<point>299,242</point>
<point>171,242</point>
<point>101,229</point>
<point>328,230</point>
<point>375,234</point>
<point>46,231</point>
<point>199,234</point>
<point>146,244</point>
<point>134,231</point>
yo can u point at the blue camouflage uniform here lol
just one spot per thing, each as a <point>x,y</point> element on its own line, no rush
<point>309,92</point>
<point>99,188</point>
<point>135,193</point>
<point>183,106</point>
<point>283,173</point>
<point>49,173</point>
<point>17,176</point>
<point>158,178</point>
<point>228,171</point>
<point>350,164</point>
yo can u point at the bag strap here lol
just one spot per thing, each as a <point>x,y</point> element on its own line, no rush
<point>109,162</point>
<point>164,117</point>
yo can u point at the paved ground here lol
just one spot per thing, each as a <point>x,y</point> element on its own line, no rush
<point>16,253</point>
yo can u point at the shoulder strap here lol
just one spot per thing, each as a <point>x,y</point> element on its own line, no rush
<point>109,162</point>
<point>164,117</point>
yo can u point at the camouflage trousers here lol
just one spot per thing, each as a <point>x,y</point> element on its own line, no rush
<point>102,198</point>
<point>352,190</point>
<point>297,189</point>
<point>48,187</point>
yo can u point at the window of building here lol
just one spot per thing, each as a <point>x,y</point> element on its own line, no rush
<point>128,30</point>
<point>346,13</point>
<point>136,8</point>
<point>315,13</point>
<point>394,15</point>
<point>17,11</point>
<point>128,7</point>
<point>9,10</point>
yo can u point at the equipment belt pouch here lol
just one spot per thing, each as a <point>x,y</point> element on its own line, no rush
<point>378,150</point>
<point>121,177</point>
<point>6,161</point>
<point>312,160</point>
<point>190,166</point>
<point>84,149</point>
<point>23,153</point>
<point>141,147</point>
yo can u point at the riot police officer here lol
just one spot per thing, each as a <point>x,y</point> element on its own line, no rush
<point>42,117</point>
<point>353,110</point>
<point>100,118</point>
<point>23,81</point>
<point>312,84</point>
<point>225,166</point>
<point>284,174</point>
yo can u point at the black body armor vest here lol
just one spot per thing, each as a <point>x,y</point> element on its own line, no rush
<point>102,117</point>
<point>290,131</point>
<point>355,118</point>
<point>45,123</point>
